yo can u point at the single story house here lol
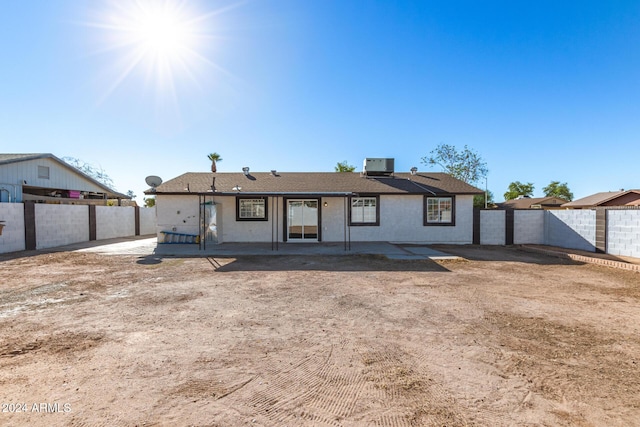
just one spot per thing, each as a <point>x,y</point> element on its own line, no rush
<point>523,202</point>
<point>44,178</point>
<point>606,198</point>
<point>316,207</point>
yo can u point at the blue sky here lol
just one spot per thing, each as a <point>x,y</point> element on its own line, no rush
<point>542,90</point>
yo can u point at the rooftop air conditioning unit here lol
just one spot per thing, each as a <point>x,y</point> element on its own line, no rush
<point>378,166</point>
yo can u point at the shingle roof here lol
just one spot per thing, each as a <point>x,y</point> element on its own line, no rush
<point>317,183</point>
<point>18,157</point>
<point>527,202</point>
<point>597,198</point>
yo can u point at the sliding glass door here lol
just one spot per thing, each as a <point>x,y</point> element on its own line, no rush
<point>302,220</point>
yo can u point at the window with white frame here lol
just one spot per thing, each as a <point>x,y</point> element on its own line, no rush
<point>364,211</point>
<point>440,210</point>
<point>251,209</point>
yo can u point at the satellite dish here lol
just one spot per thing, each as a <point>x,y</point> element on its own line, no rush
<point>153,181</point>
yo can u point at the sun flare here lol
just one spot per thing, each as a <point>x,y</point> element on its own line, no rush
<point>163,32</point>
<point>161,46</point>
<point>161,37</point>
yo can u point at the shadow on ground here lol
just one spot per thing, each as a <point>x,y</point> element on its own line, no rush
<point>323,263</point>
<point>503,253</point>
<point>149,260</point>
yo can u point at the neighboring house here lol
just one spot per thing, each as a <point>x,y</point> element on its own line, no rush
<point>45,178</point>
<point>607,198</point>
<point>317,207</point>
<point>533,203</point>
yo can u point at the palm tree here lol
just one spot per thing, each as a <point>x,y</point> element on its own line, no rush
<point>214,157</point>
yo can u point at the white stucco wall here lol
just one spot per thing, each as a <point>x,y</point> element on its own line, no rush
<point>12,238</point>
<point>177,213</point>
<point>401,220</point>
<point>59,225</point>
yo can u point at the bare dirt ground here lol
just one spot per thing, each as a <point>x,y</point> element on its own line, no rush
<point>503,338</point>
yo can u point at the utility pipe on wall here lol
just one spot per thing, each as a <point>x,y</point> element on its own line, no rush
<point>3,187</point>
<point>8,193</point>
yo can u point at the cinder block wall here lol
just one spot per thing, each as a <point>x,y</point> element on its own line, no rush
<point>59,225</point>
<point>115,221</point>
<point>147,221</point>
<point>528,227</point>
<point>623,232</point>
<point>12,238</point>
<point>574,229</point>
<point>492,227</point>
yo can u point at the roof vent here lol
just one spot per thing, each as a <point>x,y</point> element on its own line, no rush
<point>273,172</point>
<point>414,170</point>
<point>378,166</point>
<point>245,170</point>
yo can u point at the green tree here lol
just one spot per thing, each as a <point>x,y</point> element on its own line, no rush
<point>556,189</point>
<point>466,164</point>
<point>478,200</point>
<point>344,166</point>
<point>215,158</point>
<point>149,202</point>
<point>517,189</point>
<point>131,194</point>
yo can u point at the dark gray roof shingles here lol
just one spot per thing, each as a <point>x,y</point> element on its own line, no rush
<point>317,182</point>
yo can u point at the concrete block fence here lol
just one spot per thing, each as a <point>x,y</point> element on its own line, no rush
<point>29,226</point>
<point>492,227</point>
<point>41,226</point>
<point>59,225</point>
<point>529,227</point>
<point>623,232</point>
<point>612,231</point>
<point>575,229</point>
<point>12,238</point>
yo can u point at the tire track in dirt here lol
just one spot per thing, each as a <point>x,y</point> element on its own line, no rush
<point>315,391</point>
<point>410,396</point>
<point>291,388</point>
<point>346,383</point>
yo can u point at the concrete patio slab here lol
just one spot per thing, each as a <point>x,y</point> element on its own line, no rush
<point>428,252</point>
<point>390,250</point>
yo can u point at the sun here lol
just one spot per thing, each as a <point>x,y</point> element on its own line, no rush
<point>156,51</point>
<point>161,31</point>
<point>160,39</point>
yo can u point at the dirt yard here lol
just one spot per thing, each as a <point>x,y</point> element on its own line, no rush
<point>503,338</point>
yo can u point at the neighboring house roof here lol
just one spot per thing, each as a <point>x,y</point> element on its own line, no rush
<point>315,183</point>
<point>607,198</point>
<point>532,203</point>
<point>7,158</point>
<point>11,158</point>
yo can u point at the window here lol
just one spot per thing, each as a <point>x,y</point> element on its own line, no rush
<point>439,211</point>
<point>43,172</point>
<point>251,209</point>
<point>365,211</point>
